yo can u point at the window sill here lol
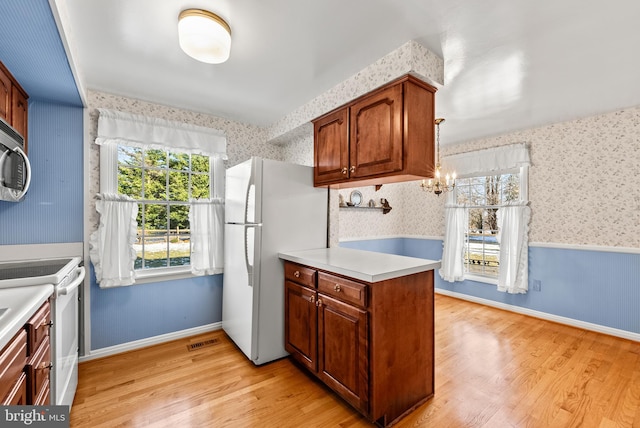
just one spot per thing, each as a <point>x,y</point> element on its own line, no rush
<point>480,278</point>
<point>164,274</point>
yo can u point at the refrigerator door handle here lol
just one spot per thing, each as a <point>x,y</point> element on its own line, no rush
<point>256,244</point>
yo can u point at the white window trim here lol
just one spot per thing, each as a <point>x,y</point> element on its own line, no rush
<point>524,196</point>
<point>109,184</point>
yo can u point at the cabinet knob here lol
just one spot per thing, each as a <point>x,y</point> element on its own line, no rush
<point>44,365</point>
<point>319,303</point>
<point>337,288</point>
<point>296,274</point>
<point>45,324</point>
<point>312,299</point>
<point>352,169</point>
<point>344,170</point>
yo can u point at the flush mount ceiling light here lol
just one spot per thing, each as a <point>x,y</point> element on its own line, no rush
<point>204,36</point>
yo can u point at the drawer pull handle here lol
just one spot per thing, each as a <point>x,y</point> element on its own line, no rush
<point>344,170</point>
<point>46,324</point>
<point>296,274</point>
<point>352,169</point>
<point>319,303</point>
<point>312,299</point>
<point>44,365</point>
<point>337,288</point>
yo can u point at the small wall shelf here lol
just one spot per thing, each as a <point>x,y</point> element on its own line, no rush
<point>385,208</point>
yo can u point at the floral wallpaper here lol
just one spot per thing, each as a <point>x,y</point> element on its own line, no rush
<point>243,141</point>
<point>584,186</point>
<point>410,57</point>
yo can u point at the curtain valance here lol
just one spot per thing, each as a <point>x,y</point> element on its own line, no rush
<point>483,162</point>
<point>116,127</point>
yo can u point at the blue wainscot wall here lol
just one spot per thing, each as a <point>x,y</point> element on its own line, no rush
<point>597,290</point>
<point>52,209</point>
<point>131,315</point>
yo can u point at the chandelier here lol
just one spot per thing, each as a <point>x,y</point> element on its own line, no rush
<point>438,185</point>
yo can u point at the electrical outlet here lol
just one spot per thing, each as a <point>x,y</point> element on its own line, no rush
<point>536,285</point>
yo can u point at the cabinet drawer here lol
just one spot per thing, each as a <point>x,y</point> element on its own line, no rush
<point>343,289</point>
<point>300,274</point>
<point>38,327</point>
<point>38,369</point>
<point>18,394</point>
<point>12,361</point>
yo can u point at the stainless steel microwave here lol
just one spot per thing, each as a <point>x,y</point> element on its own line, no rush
<point>15,170</point>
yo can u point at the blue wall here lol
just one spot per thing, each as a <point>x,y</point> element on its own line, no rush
<point>125,314</point>
<point>597,287</point>
<point>52,209</point>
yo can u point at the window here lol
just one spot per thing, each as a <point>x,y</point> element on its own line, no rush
<point>482,197</point>
<point>162,181</point>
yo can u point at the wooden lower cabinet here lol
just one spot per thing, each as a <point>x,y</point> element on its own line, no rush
<point>25,363</point>
<point>372,343</point>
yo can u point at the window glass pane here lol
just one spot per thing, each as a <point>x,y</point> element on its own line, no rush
<point>139,238</point>
<point>130,181</point>
<point>199,163</point>
<point>155,158</point>
<point>200,186</point>
<point>179,161</point>
<point>155,184</point>
<point>178,186</point>
<point>155,236</point>
<point>490,220</point>
<point>511,188</point>
<point>475,220</point>
<point>492,190</point>
<point>180,238</point>
<point>129,156</point>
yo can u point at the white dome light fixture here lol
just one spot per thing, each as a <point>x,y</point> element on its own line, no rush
<point>204,36</point>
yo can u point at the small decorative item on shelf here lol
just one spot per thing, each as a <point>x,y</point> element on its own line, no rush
<point>385,206</point>
<point>341,204</point>
<point>356,198</point>
<point>372,203</point>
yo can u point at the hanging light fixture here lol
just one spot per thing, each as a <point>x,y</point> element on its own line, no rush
<point>204,36</point>
<point>437,185</point>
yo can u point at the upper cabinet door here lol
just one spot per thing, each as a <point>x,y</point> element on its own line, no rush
<point>376,134</point>
<point>19,113</point>
<point>331,147</point>
<point>5,96</point>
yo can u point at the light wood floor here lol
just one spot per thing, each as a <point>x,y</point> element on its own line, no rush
<point>493,369</point>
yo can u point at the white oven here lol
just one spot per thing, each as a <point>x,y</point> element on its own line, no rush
<point>66,275</point>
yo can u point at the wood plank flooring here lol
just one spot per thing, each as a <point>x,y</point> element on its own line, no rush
<point>493,369</point>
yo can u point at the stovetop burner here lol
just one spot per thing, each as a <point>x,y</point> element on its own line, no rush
<point>17,270</point>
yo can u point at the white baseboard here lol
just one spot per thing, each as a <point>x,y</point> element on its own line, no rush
<point>142,343</point>
<point>545,316</point>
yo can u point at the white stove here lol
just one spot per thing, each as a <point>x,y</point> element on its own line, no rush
<point>66,275</point>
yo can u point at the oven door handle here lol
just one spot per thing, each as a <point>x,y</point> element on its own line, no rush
<point>69,288</point>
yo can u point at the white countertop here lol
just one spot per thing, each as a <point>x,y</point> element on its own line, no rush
<point>22,303</point>
<point>366,266</point>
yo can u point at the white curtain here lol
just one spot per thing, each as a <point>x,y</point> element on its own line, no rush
<point>513,236</point>
<point>452,266</point>
<point>206,218</point>
<point>117,127</point>
<point>111,246</point>
<point>488,161</point>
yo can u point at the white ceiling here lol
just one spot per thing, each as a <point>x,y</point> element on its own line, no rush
<point>509,64</point>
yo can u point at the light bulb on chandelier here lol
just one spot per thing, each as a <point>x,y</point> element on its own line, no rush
<point>437,185</point>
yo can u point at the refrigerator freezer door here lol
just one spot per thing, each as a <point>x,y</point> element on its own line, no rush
<point>239,297</point>
<point>242,193</point>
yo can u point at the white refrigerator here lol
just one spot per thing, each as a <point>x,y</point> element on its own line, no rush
<point>270,207</point>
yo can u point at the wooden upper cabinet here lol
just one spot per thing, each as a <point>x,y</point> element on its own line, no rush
<point>13,103</point>
<point>382,137</point>
<point>331,147</point>
<point>19,112</point>
<point>376,134</point>
<point>5,95</point>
